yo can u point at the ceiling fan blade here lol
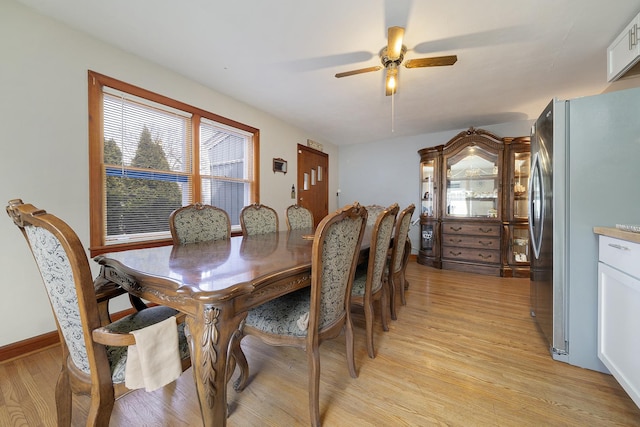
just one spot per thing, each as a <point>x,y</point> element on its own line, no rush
<point>360,71</point>
<point>391,81</point>
<point>394,42</point>
<point>436,61</point>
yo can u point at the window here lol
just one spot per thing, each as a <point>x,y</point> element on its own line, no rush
<point>149,155</point>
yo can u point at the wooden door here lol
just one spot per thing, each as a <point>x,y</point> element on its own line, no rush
<point>313,182</point>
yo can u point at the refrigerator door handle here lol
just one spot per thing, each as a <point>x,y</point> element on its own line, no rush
<point>536,204</point>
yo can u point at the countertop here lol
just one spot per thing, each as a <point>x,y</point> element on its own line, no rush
<point>617,233</point>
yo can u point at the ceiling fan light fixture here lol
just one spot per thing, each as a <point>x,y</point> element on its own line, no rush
<point>391,84</point>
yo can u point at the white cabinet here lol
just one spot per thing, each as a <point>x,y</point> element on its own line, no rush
<point>624,52</point>
<point>619,311</point>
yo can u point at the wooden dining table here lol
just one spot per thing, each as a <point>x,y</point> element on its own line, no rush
<point>215,284</point>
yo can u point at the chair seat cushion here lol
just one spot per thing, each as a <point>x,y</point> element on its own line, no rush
<point>138,320</point>
<point>359,281</point>
<point>280,316</point>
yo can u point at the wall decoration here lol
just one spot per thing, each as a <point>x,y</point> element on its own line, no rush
<point>315,145</point>
<point>279,165</point>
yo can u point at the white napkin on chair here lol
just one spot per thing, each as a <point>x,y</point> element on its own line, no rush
<point>303,322</point>
<point>155,359</point>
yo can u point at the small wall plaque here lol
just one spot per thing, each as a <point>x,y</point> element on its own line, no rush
<point>279,165</point>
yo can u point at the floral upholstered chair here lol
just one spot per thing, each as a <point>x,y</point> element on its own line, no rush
<point>306,317</point>
<point>94,350</point>
<point>203,223</point>
<point>370,282</point>
<point>398,259</point>
<point>199,223</point>
<point>373,211</point>
<point>258,219</point>
<point>298,218</point>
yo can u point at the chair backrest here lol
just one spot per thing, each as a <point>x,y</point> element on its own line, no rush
<point>67,277</point>
<point>336,247</point>
<point>400,237</point>
<point>199,223</point>
<point>379,249</point>
<point>373,211</point>
<point>258,219</point>
<point>298,217</point>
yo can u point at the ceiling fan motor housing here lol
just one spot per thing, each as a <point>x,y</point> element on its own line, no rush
<point>386,61</point>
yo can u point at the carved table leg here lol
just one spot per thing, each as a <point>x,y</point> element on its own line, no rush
<point>209,334</point>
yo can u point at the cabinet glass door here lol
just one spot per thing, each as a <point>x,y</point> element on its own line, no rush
<point>473,178</point>
<point>427,187</point>
<point>521,167</point>
<point>520,245</point>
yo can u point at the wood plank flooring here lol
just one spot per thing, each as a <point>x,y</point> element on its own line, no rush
<point>463,352</point>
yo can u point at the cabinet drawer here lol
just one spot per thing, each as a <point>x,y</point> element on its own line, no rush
<point>471,229</point>
<point>620,254</point>
<point>471,254</point>
<point>480,242</point>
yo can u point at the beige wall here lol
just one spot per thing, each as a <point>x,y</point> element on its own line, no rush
<point>43,118</point>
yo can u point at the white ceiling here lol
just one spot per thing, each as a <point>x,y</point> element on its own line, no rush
<point>281,55</point>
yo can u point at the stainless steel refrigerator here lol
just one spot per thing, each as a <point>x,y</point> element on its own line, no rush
<point>585,172</point>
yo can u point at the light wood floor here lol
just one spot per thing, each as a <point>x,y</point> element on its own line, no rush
<point>463,352</point>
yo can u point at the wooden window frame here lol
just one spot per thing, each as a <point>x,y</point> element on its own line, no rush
<point>97,197</point>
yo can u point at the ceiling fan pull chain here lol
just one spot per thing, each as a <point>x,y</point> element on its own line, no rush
<point>393,110</point>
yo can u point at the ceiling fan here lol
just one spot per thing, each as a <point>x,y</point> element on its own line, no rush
<point>392,56</point>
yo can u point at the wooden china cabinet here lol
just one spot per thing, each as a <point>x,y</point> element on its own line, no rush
<point>471,214</point>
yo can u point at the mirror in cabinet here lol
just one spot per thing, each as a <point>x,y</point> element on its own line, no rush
<point>473,183</point>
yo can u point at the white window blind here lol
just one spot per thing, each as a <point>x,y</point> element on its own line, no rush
<point>147,166</point>
<point>225,168</point>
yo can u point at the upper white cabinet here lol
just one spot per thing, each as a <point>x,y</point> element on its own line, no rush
<point>624,52</point>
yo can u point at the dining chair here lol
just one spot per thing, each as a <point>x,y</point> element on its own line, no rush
<point>373,211</point>
<point>298,217</point>
<point>397,262</point>
<point>199,223</point>
<point>203,223</point>
<point>306,317</point>
<point>405,261</point>
<point>370,283</point>
<point>94,350</point>
<point>258,219</point>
